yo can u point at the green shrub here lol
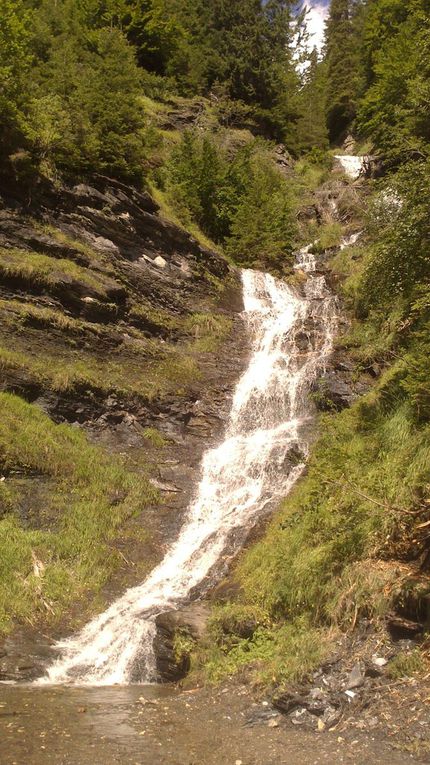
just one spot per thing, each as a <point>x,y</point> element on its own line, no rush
<point>406,665</point>
<point>400,226</point>
<point>275,655</point>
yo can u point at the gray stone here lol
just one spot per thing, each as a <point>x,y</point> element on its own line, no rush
<point>160,262</point>
<point>356,677</point>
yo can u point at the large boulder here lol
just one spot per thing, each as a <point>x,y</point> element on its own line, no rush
<point>176,632</point>
<point>331,393</point>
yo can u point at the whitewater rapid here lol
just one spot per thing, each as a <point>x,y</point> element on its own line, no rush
<point>352,165</point>
<point>260,458</point>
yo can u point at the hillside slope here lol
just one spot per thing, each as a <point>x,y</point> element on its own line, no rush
<point>112,321</point>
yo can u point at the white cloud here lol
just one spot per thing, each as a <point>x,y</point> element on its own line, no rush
<point>315,20</point>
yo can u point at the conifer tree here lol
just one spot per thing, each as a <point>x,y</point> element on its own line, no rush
<point>394,110</point>
<point>342,68</point>
<point>311,127</point>
<point>15,61</point>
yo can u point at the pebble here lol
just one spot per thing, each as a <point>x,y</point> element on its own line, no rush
<point>379,661</point>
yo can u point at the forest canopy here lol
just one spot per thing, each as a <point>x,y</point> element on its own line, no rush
<point>73,75</point>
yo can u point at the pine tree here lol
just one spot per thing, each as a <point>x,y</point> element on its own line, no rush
<point>15,61</point>
<point>342,57</point>
<point>84,114</point>
<point>394,110</point>
<point>311,127</point>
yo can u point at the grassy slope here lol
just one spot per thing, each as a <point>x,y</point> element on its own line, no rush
<point>89,497</point>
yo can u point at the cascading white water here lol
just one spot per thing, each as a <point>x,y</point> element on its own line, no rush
<point>352,165</point>
<point>291,337</point>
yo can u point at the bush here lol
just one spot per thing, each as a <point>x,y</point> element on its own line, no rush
<point>400,226</point>
<point>84,111</point>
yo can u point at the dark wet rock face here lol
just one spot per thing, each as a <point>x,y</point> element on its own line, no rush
<point>23,656</point>
<point>339,385</point>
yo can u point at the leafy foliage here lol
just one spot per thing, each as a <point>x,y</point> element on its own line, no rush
<point>400,258</point>
<point>395,109</point>
<point>342,67</point>
<point>15,61</point>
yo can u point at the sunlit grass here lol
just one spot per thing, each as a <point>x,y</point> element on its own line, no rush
<point>319,563</point>
<point>45,271</point>
<point>92,496</point>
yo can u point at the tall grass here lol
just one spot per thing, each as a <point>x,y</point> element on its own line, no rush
<point>43,270</point>
<point>92,497</point>
<point>324,561</point>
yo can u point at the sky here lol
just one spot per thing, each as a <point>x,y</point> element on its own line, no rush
<point>317,14</point>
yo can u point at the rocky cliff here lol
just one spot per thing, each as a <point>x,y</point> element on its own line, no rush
<point>116,322</point>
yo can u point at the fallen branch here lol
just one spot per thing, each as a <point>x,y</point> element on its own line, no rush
<point>361,494</point>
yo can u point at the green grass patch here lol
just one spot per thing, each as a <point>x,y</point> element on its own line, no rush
<point>407,664</point>
<point>272,655</point>
<point>140,375</point>
<point>326,559</point>
<point>90,255</point>
<point>329,237</point>
<point>45,271</point>
<point>155,438</point>
<point>22,314</point>
<point>93,496</point>
<point>168,211</point>
<point>309,175</point>
<point>208,329</point>
<point>143,313</point>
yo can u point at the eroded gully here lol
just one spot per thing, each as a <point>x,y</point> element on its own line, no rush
<point>262,455</point>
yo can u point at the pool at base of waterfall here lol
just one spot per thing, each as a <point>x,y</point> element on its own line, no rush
<point>140,725</point>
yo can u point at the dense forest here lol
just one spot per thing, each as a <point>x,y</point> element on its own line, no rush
<point>84,88</point>
<point>75,76</point>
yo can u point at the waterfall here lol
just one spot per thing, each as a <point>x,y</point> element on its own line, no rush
<point>352,165</point>
<point>260,458</point>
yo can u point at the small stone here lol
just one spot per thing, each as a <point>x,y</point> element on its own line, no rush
<point>321,725</point>
<point>160,262</point>
<point>273,723</point>
<point>355,677</point>
<point>301,716</point>
<point>379,661</point>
